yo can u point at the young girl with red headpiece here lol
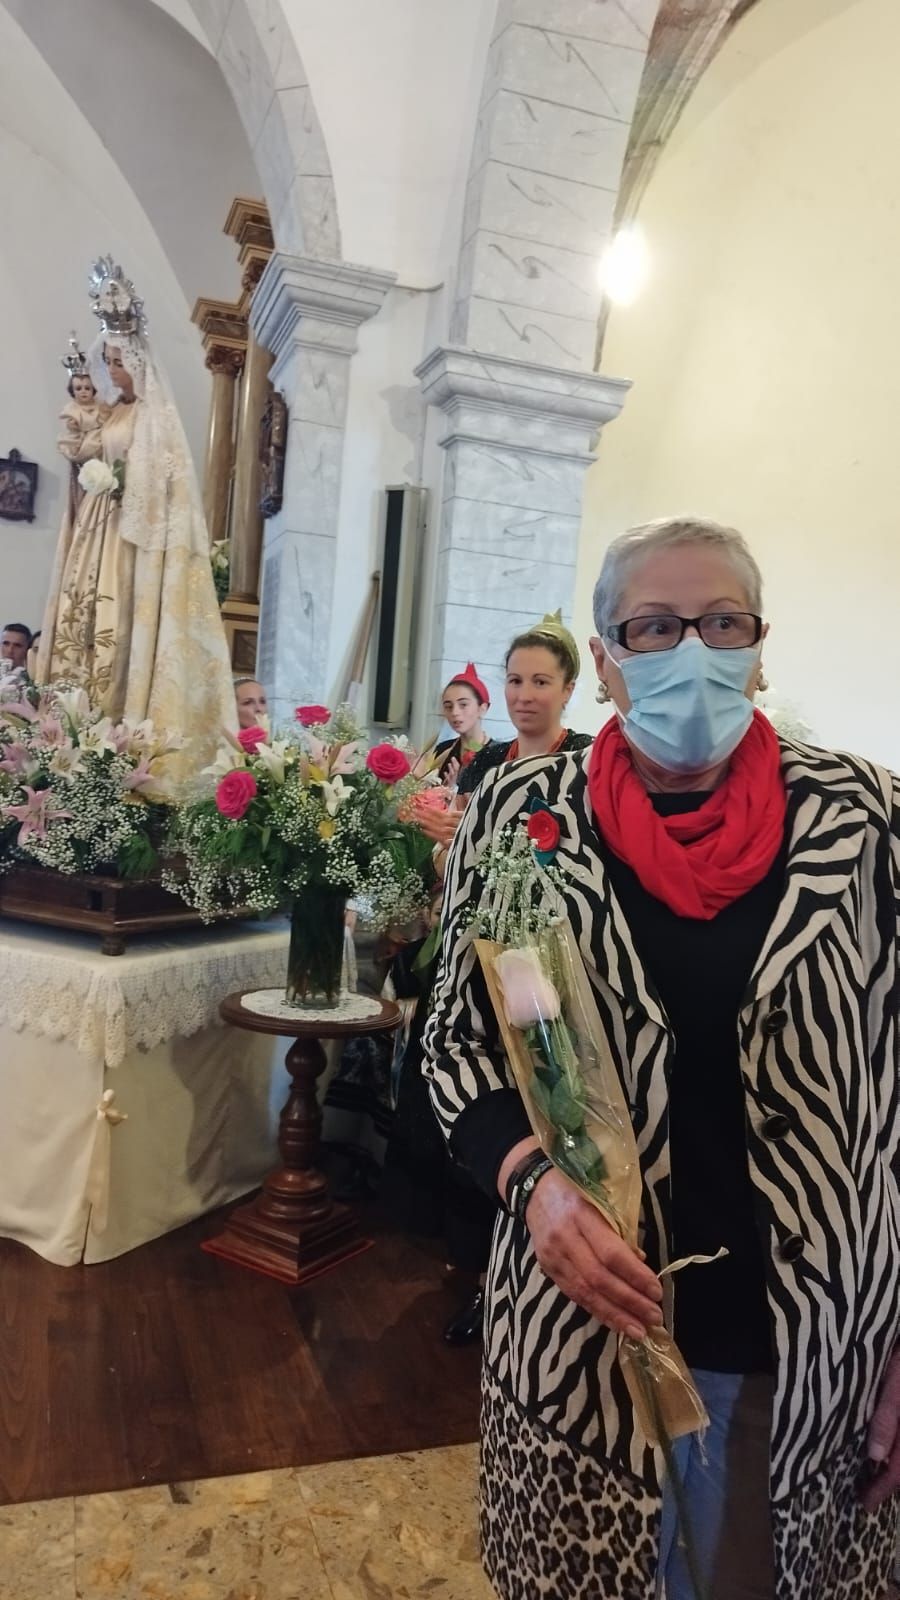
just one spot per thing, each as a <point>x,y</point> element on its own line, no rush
<point>463,703</point>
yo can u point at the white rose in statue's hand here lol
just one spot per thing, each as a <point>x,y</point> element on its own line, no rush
<point>96,477</point>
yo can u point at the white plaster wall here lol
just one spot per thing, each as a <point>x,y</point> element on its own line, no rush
<point>383,448</point>
<point>765,353</point>
<point>158,102</point>
<point>64,201</point>
<point>396,86</point>
<point>181,11</point>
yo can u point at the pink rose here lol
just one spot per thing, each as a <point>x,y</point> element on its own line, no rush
<point>312,716</point>
<point>234,793</point>
<point>434,799</point>
<point>250,738</point>
<point>528,994</point>
<point>388,763</point>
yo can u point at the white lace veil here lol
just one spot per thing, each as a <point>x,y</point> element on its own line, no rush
<point>161,505</point>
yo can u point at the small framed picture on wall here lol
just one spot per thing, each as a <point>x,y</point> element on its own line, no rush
<point>18,487</point>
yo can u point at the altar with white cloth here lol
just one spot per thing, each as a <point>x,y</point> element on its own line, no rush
<point>200,1101</point>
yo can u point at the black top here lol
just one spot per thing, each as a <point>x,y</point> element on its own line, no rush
<point>452,750</point>
<point>701,971</point>
<point>496,751</point>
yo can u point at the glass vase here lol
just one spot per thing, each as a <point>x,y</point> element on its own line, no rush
<point>316,955</point>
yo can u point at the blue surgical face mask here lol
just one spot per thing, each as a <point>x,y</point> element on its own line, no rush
<point>688,706</point>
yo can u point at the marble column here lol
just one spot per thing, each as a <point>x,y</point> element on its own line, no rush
<point>246,517</point>
<point>307,313</point>
<point>519,438</point>
<point>225,363</point>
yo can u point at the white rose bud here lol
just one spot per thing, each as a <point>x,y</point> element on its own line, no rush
<point>528,994</point>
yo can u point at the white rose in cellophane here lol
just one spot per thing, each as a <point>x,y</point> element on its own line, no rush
<point>528,994</point>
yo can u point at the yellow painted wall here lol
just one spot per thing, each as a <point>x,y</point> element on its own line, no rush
<point>765,352</point>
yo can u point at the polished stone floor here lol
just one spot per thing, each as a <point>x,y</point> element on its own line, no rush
<point>399,1527</point>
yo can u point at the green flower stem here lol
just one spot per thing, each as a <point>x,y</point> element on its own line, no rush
<point>554,1044</point>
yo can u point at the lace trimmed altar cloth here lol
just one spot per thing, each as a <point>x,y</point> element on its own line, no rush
<point>201,1100</point>
<point>58,986</point>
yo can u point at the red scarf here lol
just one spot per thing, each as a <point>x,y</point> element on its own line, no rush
<point>701,861</point>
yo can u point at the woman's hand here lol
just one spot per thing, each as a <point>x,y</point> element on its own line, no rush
<point>438,826</point>
<point>450,773</point>
<point>884,1439</point>
<point>588,1261</point>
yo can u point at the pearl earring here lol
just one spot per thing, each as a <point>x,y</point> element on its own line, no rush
<point>602,696</point>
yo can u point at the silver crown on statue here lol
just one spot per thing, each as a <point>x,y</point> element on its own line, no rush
<point>75,362</point>
<point>114,299</point>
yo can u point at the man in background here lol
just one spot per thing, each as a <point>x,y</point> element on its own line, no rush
<point>14,645</point>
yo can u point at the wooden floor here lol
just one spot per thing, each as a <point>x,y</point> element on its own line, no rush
<point>169,1365</point>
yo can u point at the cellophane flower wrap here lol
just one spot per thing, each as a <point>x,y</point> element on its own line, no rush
<point>314,805</point>
<point>79,793</point>
<point>564,1069</point>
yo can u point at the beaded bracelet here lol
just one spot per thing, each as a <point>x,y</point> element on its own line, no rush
<point>522,1181</point>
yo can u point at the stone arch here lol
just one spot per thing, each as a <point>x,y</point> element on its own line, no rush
<point>682,45</point>
<point>255,48</point>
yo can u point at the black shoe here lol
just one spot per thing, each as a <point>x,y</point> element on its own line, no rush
<point>466,1326</point>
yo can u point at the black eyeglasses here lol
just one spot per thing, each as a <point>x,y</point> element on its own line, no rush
<point>720,630</point>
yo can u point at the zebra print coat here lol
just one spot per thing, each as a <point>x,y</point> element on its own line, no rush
<point>818,1038</point>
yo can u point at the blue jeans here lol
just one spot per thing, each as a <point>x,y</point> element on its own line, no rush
<point>727,1495</point>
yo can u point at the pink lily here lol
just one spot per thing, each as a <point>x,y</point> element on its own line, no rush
<point>141,776</point>
<point>317,751</point>
<point>347,760</point>
<point>19,710</point>
<point>35,815</point>
<point>52,733</point>
<point>18,760</point>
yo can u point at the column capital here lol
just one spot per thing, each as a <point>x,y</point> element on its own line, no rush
<point>502,400</point>
<point>224,360</point>
<point>319,303</point>
<point>220,322</point>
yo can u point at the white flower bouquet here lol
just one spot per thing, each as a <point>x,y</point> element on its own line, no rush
<point>78,792</point>
<point>309,819</point>
<point>312,806</point>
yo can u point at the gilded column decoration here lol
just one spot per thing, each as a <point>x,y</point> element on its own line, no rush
<point>246,517</point>
<point>232,486</point>
<point>226,364</point>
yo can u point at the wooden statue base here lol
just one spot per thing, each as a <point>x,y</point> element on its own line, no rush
<point>292,1252</point>
<point>112,909</point>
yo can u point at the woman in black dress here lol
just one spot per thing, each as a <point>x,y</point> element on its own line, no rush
<point>427,1189</point>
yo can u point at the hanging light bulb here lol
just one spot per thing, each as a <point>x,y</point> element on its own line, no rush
<point>625,265</point>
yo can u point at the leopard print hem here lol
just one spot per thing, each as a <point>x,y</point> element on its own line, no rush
<point>558,1524</point>
<point>555,1524</point>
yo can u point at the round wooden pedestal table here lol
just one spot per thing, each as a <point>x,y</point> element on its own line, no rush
<point>294,1230</point>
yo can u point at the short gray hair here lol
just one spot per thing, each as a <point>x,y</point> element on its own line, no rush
<point>633,547</point>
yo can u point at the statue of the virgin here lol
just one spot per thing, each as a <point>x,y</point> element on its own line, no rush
<point>132,616</point>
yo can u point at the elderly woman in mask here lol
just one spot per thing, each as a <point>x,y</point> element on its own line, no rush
<point>735,901</point>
